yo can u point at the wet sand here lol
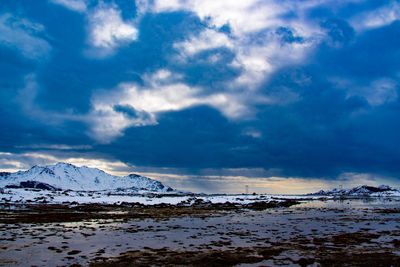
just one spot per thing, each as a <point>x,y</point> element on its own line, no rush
<point>314,233</point>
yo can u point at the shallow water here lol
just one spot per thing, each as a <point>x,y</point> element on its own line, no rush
<point>356,203</point>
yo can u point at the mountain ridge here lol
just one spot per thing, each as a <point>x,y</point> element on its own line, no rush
<point>362,190</point>
<point>67,176</point>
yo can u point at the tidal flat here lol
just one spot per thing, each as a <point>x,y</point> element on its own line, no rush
<point>350,232</point>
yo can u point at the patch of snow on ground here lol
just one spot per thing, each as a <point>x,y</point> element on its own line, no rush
<point>58,197</point>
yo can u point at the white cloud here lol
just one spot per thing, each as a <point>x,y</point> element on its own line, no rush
<point>377,17</point>
<point>381,91</point>
<point>107,29</point>
<point>162,92</point>
<point>377,92</point>
<point>259,50</point>
<point>108,124</point>
<point>242,16</point>
<point>134,105</point>
<point>251,132</point>
<point>74,5</point>
<point>23,35</point>
<point>257,59</point>
<point>208,39</point>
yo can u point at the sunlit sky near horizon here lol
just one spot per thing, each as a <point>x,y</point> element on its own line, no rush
<point>208,96</point>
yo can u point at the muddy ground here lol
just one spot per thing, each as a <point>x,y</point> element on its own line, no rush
<point>318,233</point>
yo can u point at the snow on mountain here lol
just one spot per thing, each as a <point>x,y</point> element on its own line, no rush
<point>363,190</point>
<point>67,176</point>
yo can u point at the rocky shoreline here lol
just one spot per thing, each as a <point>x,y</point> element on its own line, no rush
<point>73,212</point>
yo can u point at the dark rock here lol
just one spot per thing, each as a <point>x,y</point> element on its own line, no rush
<point>4,174</point>
<point>34,185</point>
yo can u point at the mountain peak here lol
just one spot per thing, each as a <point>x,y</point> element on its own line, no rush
<point>62,164</point>
<point>134,175</point>
<point>68,176</point>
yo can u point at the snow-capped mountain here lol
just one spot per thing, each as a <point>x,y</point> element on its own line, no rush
<point>363,190</point>
<point>67,176</point>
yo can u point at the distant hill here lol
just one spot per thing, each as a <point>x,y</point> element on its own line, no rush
<point>363,190</point>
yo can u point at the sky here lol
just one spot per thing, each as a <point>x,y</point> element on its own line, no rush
<point>285,96</point>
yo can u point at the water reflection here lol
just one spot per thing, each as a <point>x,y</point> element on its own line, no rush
<point>360,203</point>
